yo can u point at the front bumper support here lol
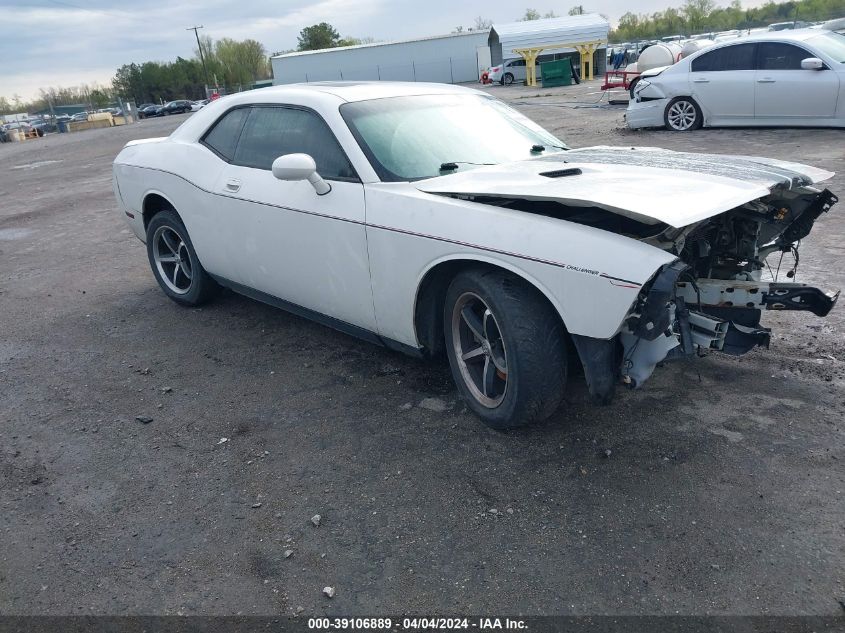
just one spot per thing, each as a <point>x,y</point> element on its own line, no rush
<point>761,295</point>
<point>799,297</point>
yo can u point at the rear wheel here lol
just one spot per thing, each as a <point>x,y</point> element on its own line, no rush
<point>174,261</point>
<point>506,347</point>
<point>507,79</point>
<point>682,115</point>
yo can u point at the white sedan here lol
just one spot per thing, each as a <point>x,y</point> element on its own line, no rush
<point>388,211</point>
<point>784,78</point>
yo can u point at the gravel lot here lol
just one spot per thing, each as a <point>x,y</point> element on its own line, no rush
<point>724,490</point>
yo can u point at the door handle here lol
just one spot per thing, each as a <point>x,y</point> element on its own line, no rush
<point>701,81</point>
<point>233,185</point>
<point>766,81</point>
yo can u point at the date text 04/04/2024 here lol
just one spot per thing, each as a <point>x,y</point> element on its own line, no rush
<point>417,623</point>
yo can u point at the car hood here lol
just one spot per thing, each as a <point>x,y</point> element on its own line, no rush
<point>653,72</point>
<point>648,184</point>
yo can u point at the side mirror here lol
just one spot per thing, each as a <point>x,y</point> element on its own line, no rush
<point>812,63</point>
<point>300,167</point>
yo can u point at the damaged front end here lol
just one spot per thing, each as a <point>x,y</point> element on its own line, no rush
<point>711,298</point>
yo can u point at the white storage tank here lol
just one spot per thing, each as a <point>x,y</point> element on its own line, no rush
<point>693,46</point>
<point>657,55</point>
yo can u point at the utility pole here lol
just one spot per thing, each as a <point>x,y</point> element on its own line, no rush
<point>202,57</point>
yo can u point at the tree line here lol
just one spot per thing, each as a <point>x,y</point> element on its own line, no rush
<point>704,16</point>
<point>226,63</point>
<point>94,96</point>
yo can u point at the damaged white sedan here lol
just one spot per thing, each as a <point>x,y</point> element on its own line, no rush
<point>779,78</point>
<point>390,211</point>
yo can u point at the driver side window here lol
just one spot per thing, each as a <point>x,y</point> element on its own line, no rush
<point>273,131</point>
<point>779,56</point>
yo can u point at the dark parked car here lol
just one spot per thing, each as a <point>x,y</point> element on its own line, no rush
<point>180,106</point>
<point>150,109</point>
<point>141,109</point>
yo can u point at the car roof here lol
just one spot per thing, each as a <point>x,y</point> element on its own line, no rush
<point>330,94</point>
<point>795,35</point>
<point>355,90</point>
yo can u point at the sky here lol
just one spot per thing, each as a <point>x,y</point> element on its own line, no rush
<point>67,43</point>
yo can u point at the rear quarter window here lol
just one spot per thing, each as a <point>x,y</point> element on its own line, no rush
<point>223,136</point>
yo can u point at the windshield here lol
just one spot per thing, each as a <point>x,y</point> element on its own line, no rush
<point>410,138</point>
<point>831,44</point>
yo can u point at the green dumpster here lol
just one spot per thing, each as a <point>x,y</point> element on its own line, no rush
<point>556,73</point>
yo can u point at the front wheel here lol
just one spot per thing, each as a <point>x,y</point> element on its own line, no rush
<point>506,347</point>
<point>682,115</point>
<point>174,261</point>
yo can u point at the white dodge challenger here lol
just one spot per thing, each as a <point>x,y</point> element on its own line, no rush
<point>432,218</point>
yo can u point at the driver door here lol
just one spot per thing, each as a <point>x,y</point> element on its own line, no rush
<point>786,91</point>
<point>283,239</point>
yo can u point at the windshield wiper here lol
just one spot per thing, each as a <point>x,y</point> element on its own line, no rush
<point>453,165</point>
<point>536,149</point>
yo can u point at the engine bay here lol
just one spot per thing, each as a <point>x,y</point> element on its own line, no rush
<point>712,297</point>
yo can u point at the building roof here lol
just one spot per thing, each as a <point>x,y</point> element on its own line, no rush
<point>338,49</point>
<point>552,26</point>
<point>64,109</point>
<point>588,27</point>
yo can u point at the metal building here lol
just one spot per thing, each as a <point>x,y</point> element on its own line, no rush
<point>454,58</point>
<point>548,39</point>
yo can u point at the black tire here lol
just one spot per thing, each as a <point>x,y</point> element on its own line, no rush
<point>631,87</point>
<point>507,79</point>
<point>199,287</point>
<point>531,347</point>
<point>682,114</point>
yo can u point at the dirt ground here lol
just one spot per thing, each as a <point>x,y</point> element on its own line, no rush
<point>723,493</point>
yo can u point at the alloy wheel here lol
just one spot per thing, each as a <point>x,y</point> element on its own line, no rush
<point>480,350</point>
<point>172,259</point>
<point>681,115</point>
